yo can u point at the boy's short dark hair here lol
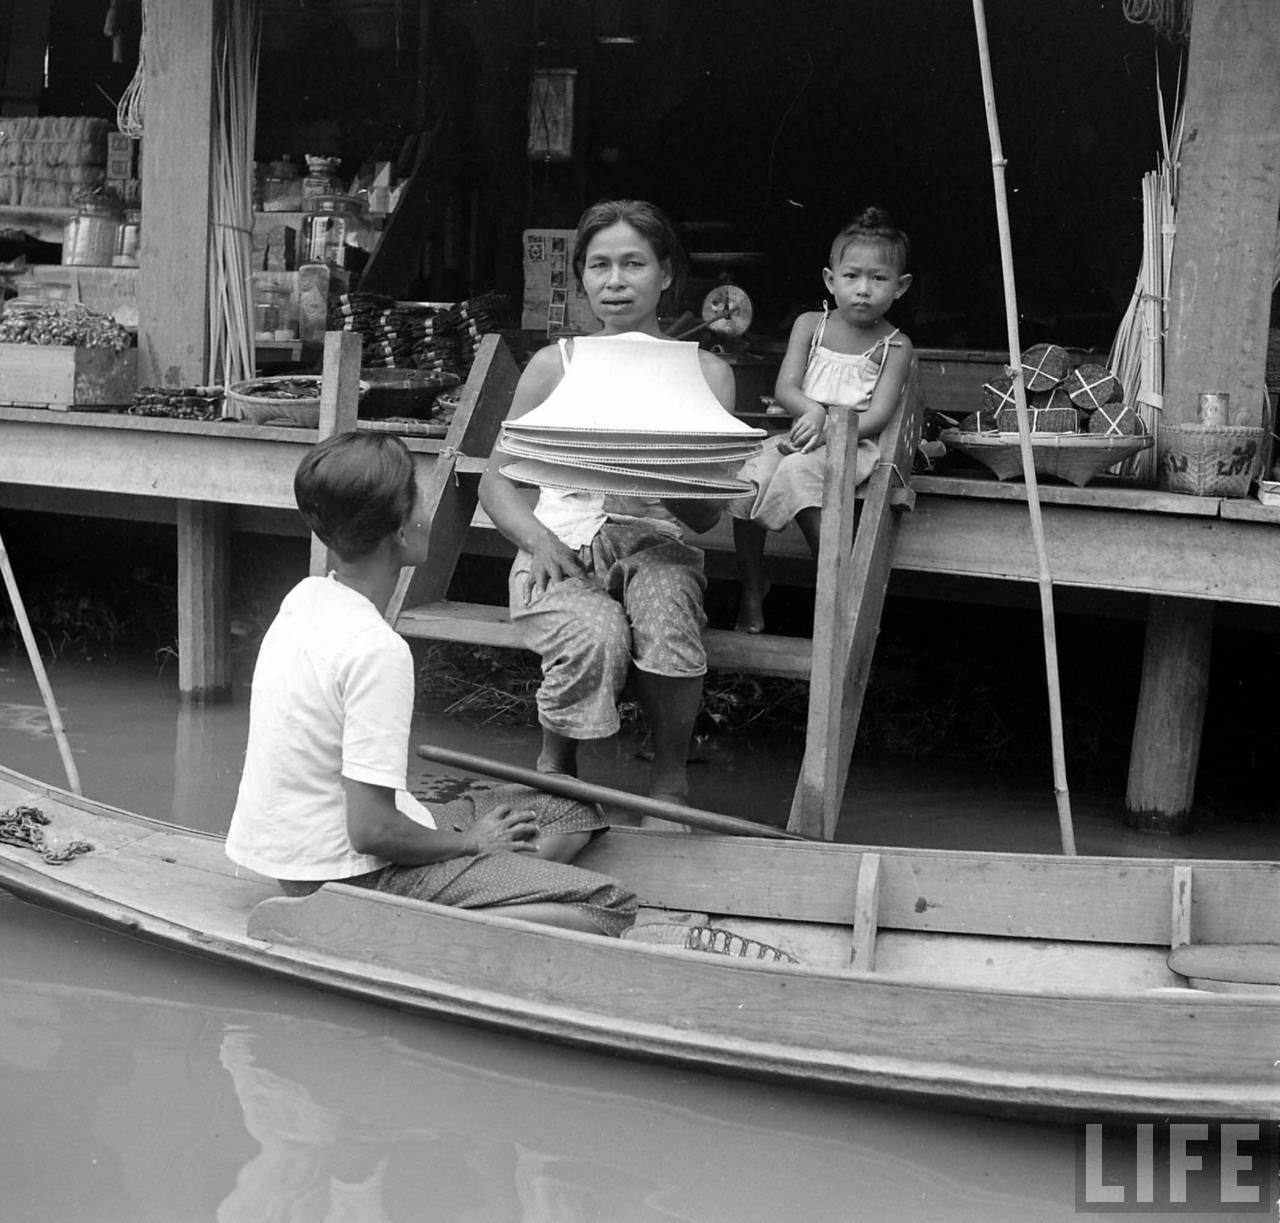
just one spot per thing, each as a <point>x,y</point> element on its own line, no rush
<point>354,489</point>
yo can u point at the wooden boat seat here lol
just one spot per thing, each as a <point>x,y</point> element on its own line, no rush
<point>1229,967</point>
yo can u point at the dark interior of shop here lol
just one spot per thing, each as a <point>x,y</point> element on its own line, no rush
<point>759,126</point>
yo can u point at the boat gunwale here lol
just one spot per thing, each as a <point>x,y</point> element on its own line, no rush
<point>956,1083</point>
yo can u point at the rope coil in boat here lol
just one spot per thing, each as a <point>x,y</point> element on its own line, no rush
<point>24,826</point>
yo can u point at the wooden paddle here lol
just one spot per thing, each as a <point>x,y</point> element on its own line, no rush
<point>571,787</point>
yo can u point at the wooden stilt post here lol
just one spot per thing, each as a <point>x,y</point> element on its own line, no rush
<point>204,615</point>
<point>1219,300</point>
<point>1166,737</point>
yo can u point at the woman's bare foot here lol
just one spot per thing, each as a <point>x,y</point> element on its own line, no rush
<point>558,754</point>
<point>751,610</point>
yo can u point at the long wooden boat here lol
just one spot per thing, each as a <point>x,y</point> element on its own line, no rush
<point>1002,983</point>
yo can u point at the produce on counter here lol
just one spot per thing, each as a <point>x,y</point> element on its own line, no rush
<point>179,403</point>
<point>26,321</point>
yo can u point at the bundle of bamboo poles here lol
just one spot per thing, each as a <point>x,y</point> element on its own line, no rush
<point>235,102</point>
<point>1137,352</point>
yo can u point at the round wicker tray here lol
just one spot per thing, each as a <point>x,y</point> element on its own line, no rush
<point>256,402</point>
<point>1075,457</point>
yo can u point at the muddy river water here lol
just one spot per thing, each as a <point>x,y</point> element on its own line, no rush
<point>139,1085</point>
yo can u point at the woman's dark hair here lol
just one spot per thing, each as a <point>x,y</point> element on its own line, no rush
<point>354,489</point>
<point>646,219</point>
<point>873,225</point>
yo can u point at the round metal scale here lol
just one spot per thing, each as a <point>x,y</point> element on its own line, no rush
<point>727,310</point>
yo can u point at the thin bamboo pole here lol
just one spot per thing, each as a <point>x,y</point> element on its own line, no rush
<point>1045,581</point>
<point>37,665</point>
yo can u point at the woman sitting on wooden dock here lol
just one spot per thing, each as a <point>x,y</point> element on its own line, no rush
<point>323,794</point>
<point>604,586</point>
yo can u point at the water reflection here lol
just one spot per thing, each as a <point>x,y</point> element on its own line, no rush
<point>139,1084</point>
<point>314,1161</point>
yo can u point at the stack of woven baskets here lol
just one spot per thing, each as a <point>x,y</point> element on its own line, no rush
<point>1080,424</point>
<point>46,161</point>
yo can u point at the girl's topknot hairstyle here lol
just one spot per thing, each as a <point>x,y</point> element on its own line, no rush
<point>873,225</point>
<point>354,489</point>
<point>646,219</point>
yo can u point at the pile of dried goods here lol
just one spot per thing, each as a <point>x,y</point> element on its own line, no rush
<point>180,403</point>
<point>60,323</point>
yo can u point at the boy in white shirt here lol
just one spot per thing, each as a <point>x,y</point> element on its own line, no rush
<point>323,793</point>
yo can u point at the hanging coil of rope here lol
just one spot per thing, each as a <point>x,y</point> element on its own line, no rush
<point>1171,18</point>
<point>129,108</point>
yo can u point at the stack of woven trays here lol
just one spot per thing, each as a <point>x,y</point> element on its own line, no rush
<point>1078,420</point>
<point>47,160</point>
<point>633,416</point>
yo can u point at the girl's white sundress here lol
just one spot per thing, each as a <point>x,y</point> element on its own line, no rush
<point>789,483</point>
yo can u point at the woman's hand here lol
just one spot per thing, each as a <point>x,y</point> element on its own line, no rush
<point>504,827</point>
<point>550,561</point>
<point>809,431</point>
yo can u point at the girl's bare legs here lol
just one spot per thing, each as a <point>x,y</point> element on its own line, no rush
<point>558,755</point>
<point>809,520</point>
<point>748,545</point>
<point>670,704</point>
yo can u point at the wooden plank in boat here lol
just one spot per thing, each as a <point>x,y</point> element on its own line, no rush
<point>1001,1045</point>
<point>1077,899</point>
<point>1246,963</point>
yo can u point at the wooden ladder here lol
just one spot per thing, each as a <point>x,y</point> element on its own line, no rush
<point>853,574</point>
<point>852,569</point>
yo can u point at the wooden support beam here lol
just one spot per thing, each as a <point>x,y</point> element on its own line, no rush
<point>866,914</point>
<point>1171,704</point>
<point>1180,914</point>
<point>204,617</point>
<point>339,408</point>
<point>173,259</point>
<point>1228,198</point>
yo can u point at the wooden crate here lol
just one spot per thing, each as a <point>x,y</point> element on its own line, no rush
<point>37,375</point>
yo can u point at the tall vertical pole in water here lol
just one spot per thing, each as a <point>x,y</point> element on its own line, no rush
<point>1045,582</point>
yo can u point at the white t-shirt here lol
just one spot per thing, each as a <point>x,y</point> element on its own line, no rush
<point>332,698</point>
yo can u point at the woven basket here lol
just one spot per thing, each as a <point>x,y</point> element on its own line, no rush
<point>1210,461</point>
<point>1075,457</point>
<point>1090,386</point>
<point>1115,420</point>
<point>283,399</point>
<point>1044,366</point>
<point>714,940</point>
<point>998,393</point>
<point>1047,411</point>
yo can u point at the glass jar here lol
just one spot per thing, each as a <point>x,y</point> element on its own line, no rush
<point>128,237</point>
<point>336,231</point>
